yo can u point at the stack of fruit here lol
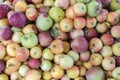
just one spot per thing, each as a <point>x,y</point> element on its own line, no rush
<point>60,40</point>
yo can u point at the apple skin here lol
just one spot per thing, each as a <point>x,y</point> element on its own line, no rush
<point>95,73</point>
<point>94,8</point>
<point>115,5</point>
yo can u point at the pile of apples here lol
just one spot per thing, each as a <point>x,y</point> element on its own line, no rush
<point>60,40</point>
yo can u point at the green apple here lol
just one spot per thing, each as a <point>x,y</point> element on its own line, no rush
<point>44,22</point>
<point>94,8</point>
<point>46,65</point>
<point>115,5</point>
<point>29,40</point>
<point>83,1</point>
<point>57,14</point>
<point>116,73</point>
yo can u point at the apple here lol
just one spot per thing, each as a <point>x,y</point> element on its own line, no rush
<point>11,49</point>
<point>105,3</point>
<point>18,19</point>
<point>66,25</point>
<point>96,59</point>
<point>95,73</point>
<point>79,9</point>
<point>22,54</point>
<point>45,38</point>
<point>115,49</point>
<point>57,46</point>
<point>115,5</point>
<point>5,33</point>
<point>73,72</point>
<point>94,8</point>
<point>91,22</point>
<point>64,59</point>
<point>20,6</point>
<point>101,27</point>
<point>2,65</point>
<point>57,14</point>
<point>13,64</point>
<point>85,56</point>
<point>4,22</point>
<point>115,73</point>
<point>48,2</point>
<point>107,39</point>
<point>44,9</point>
<point>47,75</point>
<point>80,44</point>
<point>23,69</point>
<point>4,9</point>
<point>4,77</point>
<point>36,1</point>
<point>57,72</point>
<point>48,54</point>
<point>46,65</point>
<point>95,45</point>
<point>103,15</point>
<point>79,23</point>
<point>44,22</point>
<point>31,14</point>
<point>28,38</point>
<point>33,74</point>
<point>34,63</point>
<point>108,63</point>
<point>113,18</point>
<point>106,51</point>
<point>36,52</point>
<point>91,33</point>
<point>115,30</point>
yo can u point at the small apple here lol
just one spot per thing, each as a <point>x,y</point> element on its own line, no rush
<point>94,8</point>
<point>115,73</point>
<point>115,5</point>
<point>107,39</point>
<point>116,49</point>
<point>106,51</point>
<point>70,13</point>
<point>80,44</point>
<point>57,14</point>
<point>44,22</point>
<point>45,38</point>
<point>23,69</point>
<point>28,38</point>
<point>57,72</point>
<point>91,22</point>
<point>102,16</point>
<point>95,45</point>
<point>46,65</point>
<point>108,63</point>
<point>22,54</point>
<point>47,75</point>
<point>15,76</point>
<point>85,56</point>
<point>83,71</point>
<point>101,27</point>
<point>73,72</point>
<point>79,23</point>
<point>33,75</point>
<point>64,59</point>
<point>79,9</point>
<point>96,59</point>
<point>115,31</point>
